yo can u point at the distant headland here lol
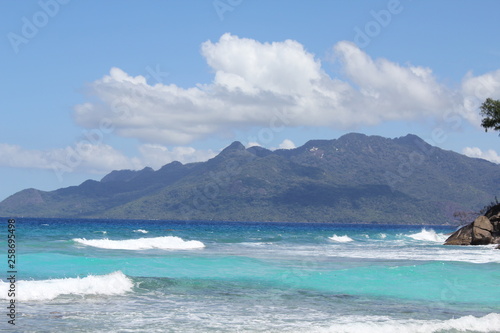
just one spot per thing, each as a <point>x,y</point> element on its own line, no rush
<point>352,179</point>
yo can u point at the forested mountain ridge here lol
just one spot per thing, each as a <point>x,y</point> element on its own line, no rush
<point>353,179</point>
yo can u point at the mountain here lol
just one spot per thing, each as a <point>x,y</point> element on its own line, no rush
<point>353,179</point>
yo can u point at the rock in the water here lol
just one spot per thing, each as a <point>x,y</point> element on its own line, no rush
<point>484,230</point>
<point>462,236</point>
<point>481,231</point>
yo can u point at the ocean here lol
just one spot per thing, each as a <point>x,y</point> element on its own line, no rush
<point>75,275</point>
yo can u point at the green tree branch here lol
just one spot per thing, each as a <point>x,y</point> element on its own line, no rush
<point>490,110</point>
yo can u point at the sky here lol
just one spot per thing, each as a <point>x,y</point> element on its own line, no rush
<point>92,86</point>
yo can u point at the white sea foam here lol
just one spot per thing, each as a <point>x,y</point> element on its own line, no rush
<point>477,254</point>
<point>142,231</point>
<point>341,239</point>
<point>375,324</point>
<point>428,236</point>
<point>400,249</point>
<point>165,243</point>
<point>115,283</point>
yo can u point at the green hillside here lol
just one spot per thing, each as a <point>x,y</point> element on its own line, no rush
<point>353,179</point>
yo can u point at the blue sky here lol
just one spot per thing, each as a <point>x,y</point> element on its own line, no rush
<point>92,86</point>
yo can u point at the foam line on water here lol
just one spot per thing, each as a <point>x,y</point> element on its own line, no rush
<point>374,324</point>
<point>115,283</point>
<point>165,243</point>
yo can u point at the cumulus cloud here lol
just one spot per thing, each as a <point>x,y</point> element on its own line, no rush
<point>97,158</point>
<point>489,155</point>
<point>83,156</point>
<point>155,155</point>
<point>253,144</point>
<point>287,144</point>
<point>281,68</point>
<point>262,84</point>
<point>267,85</point>
<point>389,91</point>
<point>475,90</point>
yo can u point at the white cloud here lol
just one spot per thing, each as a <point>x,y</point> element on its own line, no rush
<point>475,90</point>
<point>389,91</point>
<point>270,84</point>
<point>16,156</point>
<point>489,155</point>
<point>97,158</point>
<point>253,144</point>
<point>282,68</point>
<point>81,157</point>
<point>267,85</point>
<point>256,84</point>
<point>156,156</point>
<point>287,144</point>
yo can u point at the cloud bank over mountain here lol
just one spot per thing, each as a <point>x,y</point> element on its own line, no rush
<point>280,83</point>
<point>255,84</point>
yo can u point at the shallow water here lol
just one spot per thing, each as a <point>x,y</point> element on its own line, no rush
<point>161,276</point>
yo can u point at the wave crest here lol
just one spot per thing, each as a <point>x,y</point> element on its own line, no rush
<point>341,239</point>
<point>428,236</point>
<point>115,283</point>
<point>164,243</point>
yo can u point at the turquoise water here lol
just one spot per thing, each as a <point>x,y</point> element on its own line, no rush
<point>161,276</point>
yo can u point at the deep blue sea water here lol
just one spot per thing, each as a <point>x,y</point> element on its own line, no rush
<point>162,276</point>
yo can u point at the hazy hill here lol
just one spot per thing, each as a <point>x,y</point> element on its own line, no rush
<point>355,178</point>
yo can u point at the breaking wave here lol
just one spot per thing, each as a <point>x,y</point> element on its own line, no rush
<point>341,239</point>
<point>165,243</point>
<point>428,236</point>
<point>115,283</point>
